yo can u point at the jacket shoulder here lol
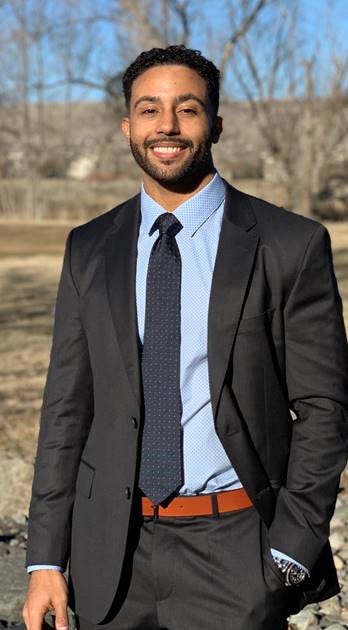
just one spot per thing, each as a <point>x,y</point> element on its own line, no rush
<point>285,236</point>
<point>280,228</point>
<point>99,226</point>
<point>86,241</point>
<point>280,221</point>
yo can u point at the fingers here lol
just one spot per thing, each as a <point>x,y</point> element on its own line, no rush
<point>34,617</point>
<point>25,615</point>
<point>47,591</point>
<point>61,621</point>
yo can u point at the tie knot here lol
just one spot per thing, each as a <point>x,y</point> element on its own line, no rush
<point>167,223</point>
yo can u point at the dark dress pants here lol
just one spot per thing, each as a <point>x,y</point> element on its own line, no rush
<point>199,573</point>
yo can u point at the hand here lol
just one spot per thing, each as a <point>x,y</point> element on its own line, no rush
<point>47,591</point>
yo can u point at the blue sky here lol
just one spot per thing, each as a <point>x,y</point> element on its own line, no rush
<point>324,28</point>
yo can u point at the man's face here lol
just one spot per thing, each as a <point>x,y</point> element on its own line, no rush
<point>170,124</point>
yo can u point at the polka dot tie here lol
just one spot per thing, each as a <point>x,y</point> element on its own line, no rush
<point>161,453</point>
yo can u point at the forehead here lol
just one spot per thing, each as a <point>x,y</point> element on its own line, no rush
<point>163,81</point>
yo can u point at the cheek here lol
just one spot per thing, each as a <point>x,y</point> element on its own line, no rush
<point>139,133</point>
<point>198,131</point>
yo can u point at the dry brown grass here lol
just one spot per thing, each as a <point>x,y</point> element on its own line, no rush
<point>71,200</point>
<point>30,263</point>
<point>61,199</point>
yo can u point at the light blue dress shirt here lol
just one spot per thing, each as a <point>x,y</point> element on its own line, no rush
<point>207,467</point>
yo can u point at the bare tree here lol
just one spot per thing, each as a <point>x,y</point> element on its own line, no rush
<point>138,25</point>
<point>148,24</point>
<point>61,49</point>
<point>21,44</point>
<point>73,39</point>
<point>145,24</point>
<point>23,71</point>
<point>302,125</point>
<point>250,11</point>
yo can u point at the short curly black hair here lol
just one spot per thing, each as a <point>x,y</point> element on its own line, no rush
<point>179,56</point>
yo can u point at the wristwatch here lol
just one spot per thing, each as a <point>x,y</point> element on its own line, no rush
<point>293,573</point>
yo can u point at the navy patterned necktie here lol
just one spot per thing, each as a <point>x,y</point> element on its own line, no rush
<point>161,453</point>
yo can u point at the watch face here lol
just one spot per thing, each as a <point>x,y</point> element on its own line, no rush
<point>296,575</point>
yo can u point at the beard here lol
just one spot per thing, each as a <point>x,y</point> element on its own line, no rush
<point>197,164</point>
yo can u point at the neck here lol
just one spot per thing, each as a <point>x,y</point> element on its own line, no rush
<point>170,197</point>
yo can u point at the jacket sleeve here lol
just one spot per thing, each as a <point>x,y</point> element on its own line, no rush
<point>316,373</point>
<point>66,416</point>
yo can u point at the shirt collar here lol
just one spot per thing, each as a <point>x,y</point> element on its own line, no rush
<point>192,213</point>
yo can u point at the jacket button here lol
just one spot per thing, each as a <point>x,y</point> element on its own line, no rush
<point>128,493</point>
<point>135,422</point>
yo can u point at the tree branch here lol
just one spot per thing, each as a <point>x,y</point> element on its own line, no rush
<point>239,33</point>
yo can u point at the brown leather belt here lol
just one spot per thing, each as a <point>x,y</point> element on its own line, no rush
<point>199,505</point>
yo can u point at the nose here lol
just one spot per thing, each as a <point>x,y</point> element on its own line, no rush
<point>168,123</point>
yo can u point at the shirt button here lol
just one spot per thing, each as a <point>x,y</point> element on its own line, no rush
<point>128,493</point>
<point>135,422</point>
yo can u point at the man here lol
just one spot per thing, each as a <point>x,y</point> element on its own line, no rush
<point>193,427</point>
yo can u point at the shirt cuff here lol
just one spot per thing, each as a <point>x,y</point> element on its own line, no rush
<point>283,556</point>
<point>36,567</point>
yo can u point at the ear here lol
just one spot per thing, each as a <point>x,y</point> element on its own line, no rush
<point>217,129</point>
<point>125,126</point>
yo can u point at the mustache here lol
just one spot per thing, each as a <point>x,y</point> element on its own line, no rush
<point>179,142</point>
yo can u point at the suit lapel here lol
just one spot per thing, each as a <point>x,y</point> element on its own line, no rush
<point>120,267</point>
<point>233,266</point>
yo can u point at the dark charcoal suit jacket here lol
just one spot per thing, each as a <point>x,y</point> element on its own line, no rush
<point>276,343</point>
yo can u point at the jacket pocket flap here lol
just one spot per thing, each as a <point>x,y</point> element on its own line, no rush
<point>84,480</point>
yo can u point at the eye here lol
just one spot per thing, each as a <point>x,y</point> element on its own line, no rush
<point>149,111</point>
<point>188,110</point>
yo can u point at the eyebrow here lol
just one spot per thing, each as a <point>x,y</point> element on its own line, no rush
<point>179,99</point>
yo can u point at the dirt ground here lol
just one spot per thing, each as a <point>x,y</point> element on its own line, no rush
<point>30,263</point>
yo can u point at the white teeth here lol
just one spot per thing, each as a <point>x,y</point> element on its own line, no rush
<point>167,149</point>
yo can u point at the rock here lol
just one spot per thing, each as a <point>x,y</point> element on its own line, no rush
<point>337,541</point>
<point>13,584</point>
<point>344,552</point>
<point>331,608</point>
<point>342,510</point>
<point>344,615</point>
<point>21,519</point>
<point>303,620</point>
<point>336,523</point>
<point>339,564</point>
<point>16,477</point>
<point>3,550</point>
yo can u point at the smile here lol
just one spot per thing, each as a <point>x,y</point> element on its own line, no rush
<point>165,151</point>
